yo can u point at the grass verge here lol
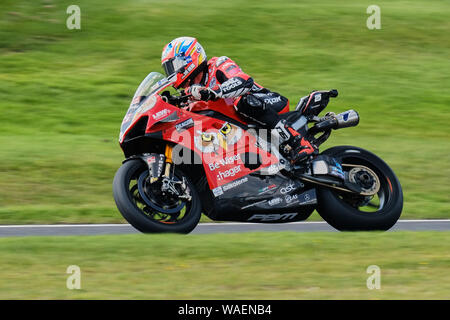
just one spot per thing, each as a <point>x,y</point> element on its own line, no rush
<point>414,265</point>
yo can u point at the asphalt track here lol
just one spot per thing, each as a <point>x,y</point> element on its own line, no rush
<point>204,228</point>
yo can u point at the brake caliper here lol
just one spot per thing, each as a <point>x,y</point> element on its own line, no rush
<point>176,188</point>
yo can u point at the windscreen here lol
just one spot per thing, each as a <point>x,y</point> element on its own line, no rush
<point>153,83</point>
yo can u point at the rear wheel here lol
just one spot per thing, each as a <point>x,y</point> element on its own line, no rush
<point>378,209</point>
<point>149,209</point>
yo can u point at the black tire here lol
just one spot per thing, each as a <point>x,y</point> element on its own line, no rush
<point>334,207</point>
<point>137,217</point>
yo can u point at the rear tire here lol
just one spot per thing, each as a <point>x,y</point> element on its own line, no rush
<point>335,208</point>
<point>123,197</point>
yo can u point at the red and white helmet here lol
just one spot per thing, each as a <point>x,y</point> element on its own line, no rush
<point>184,56</point>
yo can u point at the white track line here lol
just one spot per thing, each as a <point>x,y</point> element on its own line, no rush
<point>200,224</point>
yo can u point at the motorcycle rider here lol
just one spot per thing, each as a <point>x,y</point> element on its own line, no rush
<point>221,77</point>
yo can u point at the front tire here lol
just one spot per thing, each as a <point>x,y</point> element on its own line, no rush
<point>137,210</point>
<point>346,212</point>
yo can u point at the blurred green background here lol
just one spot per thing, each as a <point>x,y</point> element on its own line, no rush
<point>63,92</point>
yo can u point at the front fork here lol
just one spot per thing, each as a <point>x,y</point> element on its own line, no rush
<point>160,167</point>
<point>169,184</point>
<point>169,162</point>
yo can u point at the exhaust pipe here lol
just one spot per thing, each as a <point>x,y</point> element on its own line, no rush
<point>349,118</point>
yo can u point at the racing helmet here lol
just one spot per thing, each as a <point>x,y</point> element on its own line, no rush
<point>185,57</point>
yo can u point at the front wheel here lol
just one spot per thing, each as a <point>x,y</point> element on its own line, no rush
<point>348,212</point>
<point>147,208</point>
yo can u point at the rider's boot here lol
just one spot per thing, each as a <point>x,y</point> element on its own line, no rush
<point>293,146</point>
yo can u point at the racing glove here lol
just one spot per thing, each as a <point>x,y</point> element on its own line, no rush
<point>232,88</point>
<point>199,92</point>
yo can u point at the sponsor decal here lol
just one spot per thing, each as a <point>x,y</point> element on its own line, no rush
<point>188,69</point>
<point>290,187</point>
<point>151,159</point>
<point>159,84</point>
<point>283,133</point>
<point>273,217</point>
<point>223,162</point>
<point>230,84</point>
<point>228,173</point>
<point>155,163</point>
<point>217,191</point>
<point>272,100</point>
<point>161,114</point>
<point>275,201</point>
<point>309,198</point>
<point>234,184</point>
<point>266,189</point>
<point>184,125</point>
<point>317,97</point>
<point>291,198</point>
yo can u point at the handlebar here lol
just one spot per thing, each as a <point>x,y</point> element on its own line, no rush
<point>175,100</point>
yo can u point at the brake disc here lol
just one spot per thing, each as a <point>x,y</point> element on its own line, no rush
<point>364,177</point>
<point>156,205</point>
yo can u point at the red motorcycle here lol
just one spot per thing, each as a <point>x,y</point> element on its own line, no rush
<point>186,157</point>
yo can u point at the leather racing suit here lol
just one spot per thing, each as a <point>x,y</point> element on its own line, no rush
<point>225,79</point>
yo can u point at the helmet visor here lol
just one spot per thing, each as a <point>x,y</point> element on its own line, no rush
<point>168,67</point>
<point>173,65</point>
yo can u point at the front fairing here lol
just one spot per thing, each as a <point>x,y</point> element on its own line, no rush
<point>144,99</point>
<point>220,151</point>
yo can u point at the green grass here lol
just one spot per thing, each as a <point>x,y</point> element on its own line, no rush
<point>64,92</point>
<point>223,266</point>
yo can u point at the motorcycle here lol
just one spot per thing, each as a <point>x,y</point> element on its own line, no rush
<point>185,157</point>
